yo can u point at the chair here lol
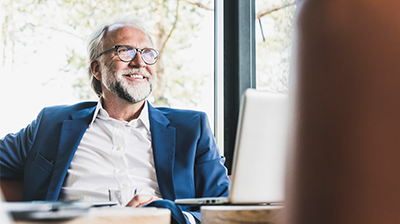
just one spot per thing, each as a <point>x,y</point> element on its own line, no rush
<point>12,189</point>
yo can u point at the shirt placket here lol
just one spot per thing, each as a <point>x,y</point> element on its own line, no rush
<point>118,155</point>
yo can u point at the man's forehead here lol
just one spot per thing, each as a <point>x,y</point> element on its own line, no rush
<point>120,31</point>
<point>120,25</point>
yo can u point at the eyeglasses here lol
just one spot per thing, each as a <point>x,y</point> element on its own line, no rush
<point>127,53</point>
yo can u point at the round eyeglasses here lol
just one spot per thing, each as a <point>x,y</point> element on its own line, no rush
<point>127,53</point>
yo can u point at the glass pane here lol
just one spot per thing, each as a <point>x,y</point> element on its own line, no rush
<point>43,48</point>
<point>274,27</point>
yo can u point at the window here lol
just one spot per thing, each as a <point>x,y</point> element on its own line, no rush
<point>242,68</point>
<point>274,32</point>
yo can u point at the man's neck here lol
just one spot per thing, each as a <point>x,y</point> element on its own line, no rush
<point>121,109</point>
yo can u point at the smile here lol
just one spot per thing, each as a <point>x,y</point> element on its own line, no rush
<point>135,76</point>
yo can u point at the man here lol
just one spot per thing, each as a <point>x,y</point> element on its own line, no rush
<point>78,152</point>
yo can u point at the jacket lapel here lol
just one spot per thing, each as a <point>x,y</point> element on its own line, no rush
<point>163,142</point>
<point>72,132</point>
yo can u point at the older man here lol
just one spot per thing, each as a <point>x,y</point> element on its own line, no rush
<point>78,152</point>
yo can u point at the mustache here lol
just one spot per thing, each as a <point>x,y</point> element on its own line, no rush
<point>132,71</point>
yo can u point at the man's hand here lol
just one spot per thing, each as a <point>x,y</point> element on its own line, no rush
<point>141,200</point>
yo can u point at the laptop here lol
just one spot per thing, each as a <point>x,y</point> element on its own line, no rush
<point>259,161</point>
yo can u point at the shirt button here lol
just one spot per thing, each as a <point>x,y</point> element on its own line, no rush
<point>120,149</point>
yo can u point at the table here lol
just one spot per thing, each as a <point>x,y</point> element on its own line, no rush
<point>128,215</point>
<point>228,214</point>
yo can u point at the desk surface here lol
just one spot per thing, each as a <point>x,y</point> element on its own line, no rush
<point>256,214</point>
<point>114,215</point>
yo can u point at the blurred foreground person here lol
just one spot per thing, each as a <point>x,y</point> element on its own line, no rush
<point>346,148</point>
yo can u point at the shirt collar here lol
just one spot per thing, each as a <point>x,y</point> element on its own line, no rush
<point>144,114</point>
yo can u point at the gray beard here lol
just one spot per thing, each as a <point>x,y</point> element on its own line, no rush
<point>122,92</point>
<point>131,92</point>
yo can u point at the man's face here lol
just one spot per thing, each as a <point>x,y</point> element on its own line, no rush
<point>132,81</point>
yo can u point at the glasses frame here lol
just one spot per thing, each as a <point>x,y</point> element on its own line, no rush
<point>116,47</point>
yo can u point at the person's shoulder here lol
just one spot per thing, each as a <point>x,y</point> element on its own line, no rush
<point>167,111</point>
<point>70,108</point>
<point>183,116</point>
<point>76,106</point>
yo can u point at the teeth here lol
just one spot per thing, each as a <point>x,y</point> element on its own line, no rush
<point>136,76</point>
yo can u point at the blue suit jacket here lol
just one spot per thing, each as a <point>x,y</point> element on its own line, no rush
<point>186,157</point>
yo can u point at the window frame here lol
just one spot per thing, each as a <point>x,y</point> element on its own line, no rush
<point>235,67</point>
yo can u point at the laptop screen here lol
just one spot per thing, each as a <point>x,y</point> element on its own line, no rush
<point>258,171</point>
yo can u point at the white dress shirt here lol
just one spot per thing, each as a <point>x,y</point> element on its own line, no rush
<point>112,153</point>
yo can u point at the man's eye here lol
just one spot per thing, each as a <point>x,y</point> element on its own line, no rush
<point>148,54</point>
<point>123,50</point>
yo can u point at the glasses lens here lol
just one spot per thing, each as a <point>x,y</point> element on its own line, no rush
<point>126,53</point>
<point>149,55</point>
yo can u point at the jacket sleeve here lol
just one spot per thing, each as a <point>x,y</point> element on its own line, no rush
<point>15,148</point>
<point>211,176</point>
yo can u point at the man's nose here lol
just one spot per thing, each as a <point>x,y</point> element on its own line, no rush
<point>137,61</point>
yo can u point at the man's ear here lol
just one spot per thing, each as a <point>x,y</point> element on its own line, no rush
<point>95,67</point>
